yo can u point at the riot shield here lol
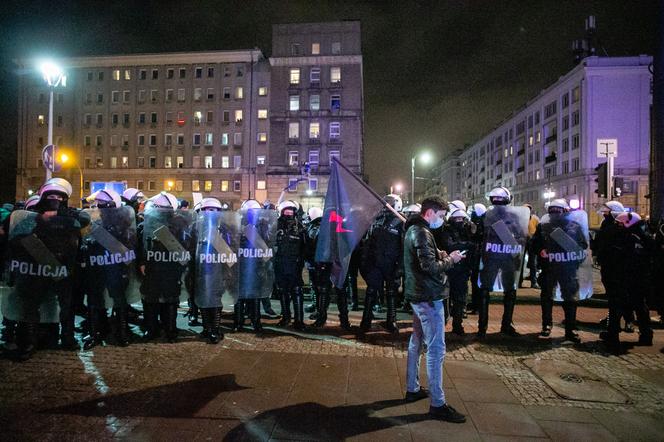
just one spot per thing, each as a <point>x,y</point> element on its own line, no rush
<point>255,253</point>
<point>166,241</point>
<point>568,262</point>
<point>505,237</point>
<point>41,260</point>
<point>108,255</point>
<point>216,270</point>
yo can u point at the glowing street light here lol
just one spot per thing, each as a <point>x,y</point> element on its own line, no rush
<point>425,158</point>
<point>54,77</point>
<point>65,158</point>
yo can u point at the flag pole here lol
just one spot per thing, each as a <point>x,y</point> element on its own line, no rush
<point>385,203</point>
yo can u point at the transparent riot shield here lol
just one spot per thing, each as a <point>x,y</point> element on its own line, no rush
<point>505,237</point>
<point>167,246</point>
<point>216,262</point>
<point>568,262</point>
<point>108,257</point>
<point>41,260</point>
<point>255,253</point>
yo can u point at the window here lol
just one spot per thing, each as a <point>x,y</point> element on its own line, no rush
<point>41,121</point>
<point>537,174</point>
<point>239,93</point>
<point>237,185</point>
<point>335,75</point>
<point>210,117</point>
<point>155,74</point>
<point>575,164</point>
<point>153,118</point>
<point>154,95</point>
<point>313,157</point>
<point>88,98</point>
<point>565,122</point>
<point>115,97</point>
<point>196,162</point>
<point>141,96</point>
<point>100,75</point>
<point>100,98</point>
<point>127,74</point>
<point>142,74</point>
<point>210,94</point>
<point>198,72</point>
<point>153,140</point>
<point>294,101</point>
<point>238,116</point>
<point>210,72</point>
<point>227,71</point>
<point>181,95</point>
<point>237,161</point>
<point>114,140</point>
<point>114,162</point>
<point>576,94</point>
<point>139,184</point>
<point>296,49</point>
<point>292,184</point>
<point>262,91</point>
<point>100,119</point>
<point>208,162</point>
<point>293,158</point>
<point>262,114</point>
<point>335,102</point>
<point>530,140</point>
<point>333,154</point>
<point>313,184</point>
<point>260,185</point>
<point>180,118</point>
<point>538,136</point>
<point>141,118</point>
<point>537,117</point>
<point>261,137</point>
<point>237,139</point>
<point>151,185</point>
<point>99,162</point>
<point>61,98</point>
<point>315,48</point>
<point>314,102</point>
<point>141,140</point>
<point>89,76</point>
<point>153,162</point>
<point>197,94</point>
<point>209,138</point>
<point>565,167</point>
<point>575,118</point>
<point>565,100</point>
<point>224,185</point>
<point>207,186</point>
<point>98,140</point>
<point>125,140</point>
<point>224,139</point>
<point>295,76</point>
<point>167,162</point>
<point>126,96</point>
<point>227,93</point>
<point>260,160</point>
<point>226,116</point>
<point>565,144</point>
<point>225,162</point>
<point>196,140</point>
<point>239,72</point>
<point>170,73</point>
<point>550,109</point>
<point>314,130</point>
<point>336,47</point>
<point>183,73</point>
<point>180,139</point>
<point>575,141</point>
<point>195,186</point>
<point>293,131</point>
<point>168,139</point>
<point>314,75</point>
<point>335,130</point>
<point>140,162</point>
<point>178,185</point>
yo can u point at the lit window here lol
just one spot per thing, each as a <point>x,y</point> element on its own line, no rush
<point>262,137</point>
<point>335,75</point>
<point>260,160</point>
<point>40,120</point>
<point>238,116</point>
<point>127,74</point>
<point>293,158</point>
<point>239,93</point>
<point>114,162</point>
<point>208,186</point>
<point>262,114</point>
<point>208,162</point>
<point>195,186</point>
<point>224,185</point>
<point>262,91</point>
<point>293,131</point>
<point>209,138</point>
<point>224,139</point>
<point>178,185</point>
<point>315,48</point>
<point>197,94</point>
<point>237,161</point>
<point>167,162</point>
<point>530,140</point>
<point>198,116</point>
<point>314,130</point>
<point>116,74</point>
<point>225,163</point>
<point>295,76</point>
<point>313,157</point>
<point>294,103</point>
<point>314,102</point>
<point>335,129</point>
<point>260,185</point>
<point>180,162</point>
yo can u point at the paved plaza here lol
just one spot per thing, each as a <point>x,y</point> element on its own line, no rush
<point>334,385</point>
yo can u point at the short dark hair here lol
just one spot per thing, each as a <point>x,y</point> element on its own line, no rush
<point>434,202</point>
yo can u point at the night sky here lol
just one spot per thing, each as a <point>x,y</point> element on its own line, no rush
<point>438,74</point>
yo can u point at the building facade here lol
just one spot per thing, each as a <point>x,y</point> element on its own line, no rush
<point>550,144</point>
<point>446,178</point>
<point>200,121</point>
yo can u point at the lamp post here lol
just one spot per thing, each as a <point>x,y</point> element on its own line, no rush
<point>64,159</point>
<point>425,157</point>
<point>548,194</point>
<point>54,77</point>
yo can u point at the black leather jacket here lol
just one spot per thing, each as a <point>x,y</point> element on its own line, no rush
<point>424,267</point>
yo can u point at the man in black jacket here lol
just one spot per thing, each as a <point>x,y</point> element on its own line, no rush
<point>425,288</point>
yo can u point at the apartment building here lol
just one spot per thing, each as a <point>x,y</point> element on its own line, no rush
<point>550,144</point>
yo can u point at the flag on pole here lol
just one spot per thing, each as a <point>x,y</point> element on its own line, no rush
<point>350,208</point>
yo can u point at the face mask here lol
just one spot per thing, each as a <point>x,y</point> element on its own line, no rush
<point>436,223</point>
<point>50,204</point>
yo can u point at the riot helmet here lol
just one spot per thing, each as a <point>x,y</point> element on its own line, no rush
<point>394,201</point>
<point>164,200</point>
<point>559,205</point>
<point>210,205</point>
<point>315,213</point>
<point>106,198</point>
<point>31,202</point>
<point>250,204</point>
<point>132,194</point>
<point>287,208</point>
<point>612,208</point>
<point>500,196</point>
<point>479,209</point>
<point>457,204</point>
<point>628,219</point>
<point>411,209</point>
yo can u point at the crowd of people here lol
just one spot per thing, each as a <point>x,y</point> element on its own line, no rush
<point>119,250</point>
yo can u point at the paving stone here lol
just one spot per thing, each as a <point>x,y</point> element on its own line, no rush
<point>560,414</point>
<point>481,390</point>
<point>504,420</point>
<point>576,431</point>
<point>628,425</point>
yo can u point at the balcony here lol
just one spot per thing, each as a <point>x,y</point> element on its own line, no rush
<point>550,158</point>
<point>500,176</point>
<point>499,162</point>
<point>521,151</point>
<point>314,140</point>
<point>293,141</point>
<point>520,169</point>
<point>550,138</point>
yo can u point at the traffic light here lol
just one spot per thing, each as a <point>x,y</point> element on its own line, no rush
<point>618,186</point>
<point>601,180</point>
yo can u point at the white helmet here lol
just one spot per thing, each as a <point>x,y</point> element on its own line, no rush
<point>458,213</point>
<point>479,209</point>
<point>615,207</point>
<point>165,200</point>
<point>457,204</point>
<point>394,201</point>
<point>56,185</point>
<point>210,203</point>
<point>250,204</point>
<point>500,194</point>
<point>628,219</point>
<point>315,213</point>
<point>132,194</point>
<point>106,196</point>
<point>287,204</point>
<point>412,208</point>
<point>31,202</point>
<point>559,202</point>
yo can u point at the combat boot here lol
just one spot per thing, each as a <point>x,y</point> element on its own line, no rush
<point>298,309</point>
<point>342,305</point>
<point>367,314</point>
<point>170,321</point>
<point>509,301</point>
<point>323,303</point>
<point>238,315</point>
<point>93,337</point>
<point>457,318</point>
<point>569,308</point>
<point>391,320</point>
<point>26,340</point>
<point>150,322</point>
<point>255,315</point>
<point>483,298</point>
<point>122,331</point>
<point>284,301</point>
<point>193,315</point>
<point>215,334</point>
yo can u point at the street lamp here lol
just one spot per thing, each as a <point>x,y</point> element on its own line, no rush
<point>64,159</point>
<point>548,194</point>
<point>54,77</point>
<point>424,157</point>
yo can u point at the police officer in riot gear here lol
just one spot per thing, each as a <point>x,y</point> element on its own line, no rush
<point>505,231</point>
<point>559,267</point>
<point>289,263</point>
<point>382,263</point>
<point>459,234</point>
<point>113,235</point>
<point>477,218</point>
